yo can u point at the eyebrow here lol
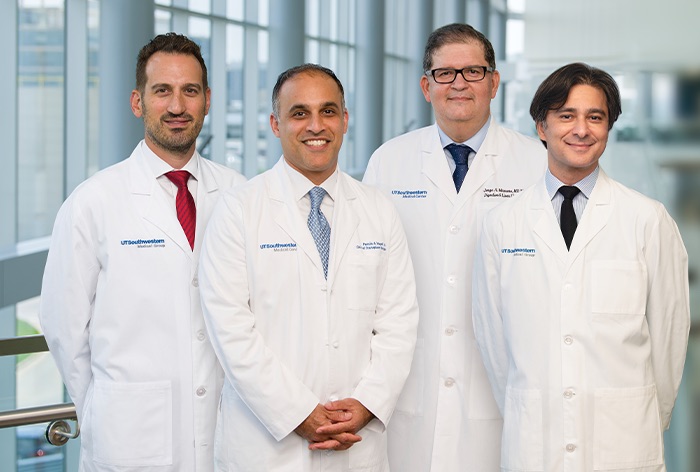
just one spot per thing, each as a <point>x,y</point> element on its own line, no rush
<point>588,111</point>
<point>303,106</point>
<point>169,86</point>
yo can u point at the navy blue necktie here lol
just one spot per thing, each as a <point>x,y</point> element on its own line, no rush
<point>567,218</point>
<point>460,153</point>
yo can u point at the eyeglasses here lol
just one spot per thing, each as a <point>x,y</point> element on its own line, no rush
<point>469,73</point>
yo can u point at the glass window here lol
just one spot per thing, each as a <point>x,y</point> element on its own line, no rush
<point>40,111</point>
<point>234,9</point>
<point>93,132</point>
<point>234,97</point>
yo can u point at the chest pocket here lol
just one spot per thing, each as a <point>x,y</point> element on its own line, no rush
<point>365,271</point>
<point>618,287</point>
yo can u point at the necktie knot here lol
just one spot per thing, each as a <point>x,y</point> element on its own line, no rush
<point>178,177</point>
<point>460,154</point>
<point>569,192</point>
<point>316,194</point>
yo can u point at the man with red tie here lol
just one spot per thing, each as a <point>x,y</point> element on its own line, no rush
<point>120,301</point>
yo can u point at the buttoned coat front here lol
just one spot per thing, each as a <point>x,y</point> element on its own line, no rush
<point>121,313</point>
<point>446,419</point>
<point>288,338</point>
<point>585,348</point>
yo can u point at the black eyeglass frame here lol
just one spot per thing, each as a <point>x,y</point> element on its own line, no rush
<point>485,69</point>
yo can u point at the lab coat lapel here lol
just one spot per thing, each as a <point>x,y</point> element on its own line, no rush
<point>152,201</point>
<point>484,166</point>
<point>345,222</point>
<point>434,165</point>
<point>595,216</point>
<point>286,214</point>
<point>545,224</point>
<point>207,194</point>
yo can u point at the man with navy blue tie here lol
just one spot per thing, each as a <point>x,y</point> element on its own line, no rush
<point>443,179</point>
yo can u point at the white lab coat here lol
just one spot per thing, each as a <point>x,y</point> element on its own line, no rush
<point>288,339</point>
<point>585,348</point>
<point>123,320</point>
<point>446,419</point>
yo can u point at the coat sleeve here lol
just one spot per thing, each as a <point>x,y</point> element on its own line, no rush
<point>395,328</point>
<point>67,298</point>
<point>668,309</point>
<point>279,400</point>
<point>487,316</point>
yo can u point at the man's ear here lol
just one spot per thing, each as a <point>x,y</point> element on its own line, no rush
<point>274,124</point>
<point>135,100</point>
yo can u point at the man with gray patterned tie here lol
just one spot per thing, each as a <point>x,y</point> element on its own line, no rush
<point>309,295</point>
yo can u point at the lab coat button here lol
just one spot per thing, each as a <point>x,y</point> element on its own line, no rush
<point>454,229</point>
<point>335,345</point>
<point>200,335</point>
<point>568,394</point>
<point>451,279</point>
<point>201,391</point>
<point>195,282</point>
<point>570,447</point>
<point>568,340</point>
<point>449,382</point>
<point>449,331</point>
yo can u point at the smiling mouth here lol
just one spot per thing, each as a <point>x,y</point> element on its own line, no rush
<point>580,145</point>
<point>315,142</point>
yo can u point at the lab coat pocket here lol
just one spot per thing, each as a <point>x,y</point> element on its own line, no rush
<point>618,287</point>
<point>523,441</point>
<point>411,399</point>
<point>132,423</point>
<point>364,271</point>
<point>627,428</point>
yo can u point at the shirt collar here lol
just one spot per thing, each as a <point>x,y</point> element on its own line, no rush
<point>301,185</point>
<point>474,142</point>
<point>585,185</point>
<point>159,167</point>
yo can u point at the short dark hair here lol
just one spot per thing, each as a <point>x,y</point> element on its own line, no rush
<point>171,43</point>
<point>460,33</point>
<point>554,91</point>
<point>293,72</point>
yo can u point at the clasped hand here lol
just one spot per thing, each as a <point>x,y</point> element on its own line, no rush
<point>335,425</point>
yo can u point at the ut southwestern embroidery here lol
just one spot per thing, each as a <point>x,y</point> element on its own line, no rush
<point>410,193</point>
<point>280,247</point>
<point>143,243</point>
<point>519,251</point>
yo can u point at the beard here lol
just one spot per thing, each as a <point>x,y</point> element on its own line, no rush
<point>178,141</point>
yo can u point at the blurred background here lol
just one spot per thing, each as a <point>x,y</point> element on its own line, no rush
<point>67,67</point>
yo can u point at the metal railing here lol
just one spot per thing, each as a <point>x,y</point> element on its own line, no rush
<point>59,431</point>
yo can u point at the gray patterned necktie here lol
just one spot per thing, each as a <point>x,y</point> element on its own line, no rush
<point>318,225</point>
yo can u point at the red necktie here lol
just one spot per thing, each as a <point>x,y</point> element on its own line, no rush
<point>186,211</point>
